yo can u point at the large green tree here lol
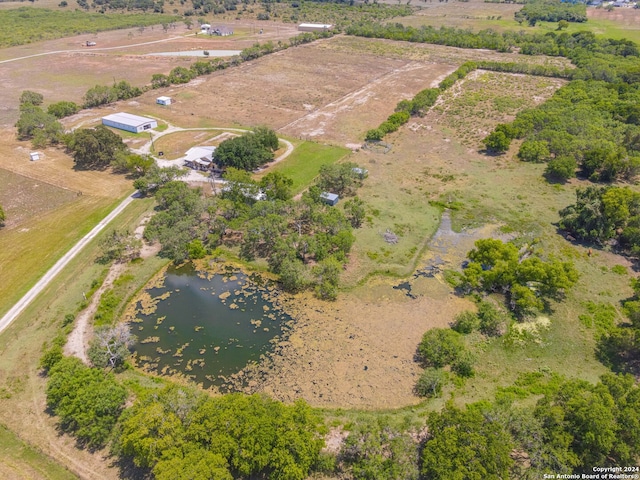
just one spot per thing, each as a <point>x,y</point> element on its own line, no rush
<point>466,445</point>
<point>598,424</point>
<point>340,178</point>
<point>87,400</point>
<point>244,152</point>
<point>95,148</point>
<point>527,281</point>
<point>38,126</point>
<point>375,450</point>
<point>31,98</point>
<point>62,109</point>
<point>178,221</point>
<point>440,347</point>
<point>235,436</point>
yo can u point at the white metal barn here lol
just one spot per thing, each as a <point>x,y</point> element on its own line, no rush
<point>129,122</point>
<point>163,100</point>
<point>314,27</point>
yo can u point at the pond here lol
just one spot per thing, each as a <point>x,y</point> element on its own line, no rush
<point>206,326</point>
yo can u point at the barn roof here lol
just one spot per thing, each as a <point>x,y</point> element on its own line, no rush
<point>128,119</point>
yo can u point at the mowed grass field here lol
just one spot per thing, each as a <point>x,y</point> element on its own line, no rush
<point>303,165</point>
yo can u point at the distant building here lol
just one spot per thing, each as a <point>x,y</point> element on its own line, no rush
<point>329,198</point>
<point>314,27</point>
<point>200,158</point>
<point>220,31</point>
<point>205,27</point>
<point>34,156</point>
<point>129,122</point>
<point>163,100</point>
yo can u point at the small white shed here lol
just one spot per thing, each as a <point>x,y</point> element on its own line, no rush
<point>329,198</point>
<point>163,100</point>
<point>34,156</point>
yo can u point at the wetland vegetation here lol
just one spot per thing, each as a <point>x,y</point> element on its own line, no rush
<point>207,326</point>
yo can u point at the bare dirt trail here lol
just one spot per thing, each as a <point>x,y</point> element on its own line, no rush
<point>78,340</point>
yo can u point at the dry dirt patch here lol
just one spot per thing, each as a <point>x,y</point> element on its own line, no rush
<point>315,90</point>
<point>68,75</point>
<point>56,168</point>
<point>23,198</point>
<point>359,352</point>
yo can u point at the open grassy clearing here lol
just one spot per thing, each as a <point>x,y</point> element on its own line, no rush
<point>401,182</point>
<point>27,25</point>
<point>26,253</point>
<point>303,165</point>
<point>19,460</point>
<point>478,15</point>
<point>174,145</point>
<point>475,105</point>
<point>23,198</point>
<point>22,402</point>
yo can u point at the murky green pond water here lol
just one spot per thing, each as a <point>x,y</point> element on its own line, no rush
<point>207,327</point>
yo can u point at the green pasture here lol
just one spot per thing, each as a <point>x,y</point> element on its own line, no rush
<point>26,253</point>
<point>20,459</point>
<point>27,24</point>
<point>304,163</point>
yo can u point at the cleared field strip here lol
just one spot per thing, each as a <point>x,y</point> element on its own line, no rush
<point>13,312</point>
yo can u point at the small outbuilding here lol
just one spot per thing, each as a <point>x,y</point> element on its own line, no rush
<point>129,122</point>
<point>205,27</point>
<point>163,100</point>
<point>329,198</point>
<point>34,156</point>
<point>314,27</point>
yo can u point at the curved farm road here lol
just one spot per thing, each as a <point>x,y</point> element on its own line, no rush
<point>13,313</point>
<point>194,176</point>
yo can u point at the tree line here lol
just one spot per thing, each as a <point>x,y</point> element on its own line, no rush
<point>589,125</point>
<point>551,11</point>
<point>420,104</point>
<point>177,432</point>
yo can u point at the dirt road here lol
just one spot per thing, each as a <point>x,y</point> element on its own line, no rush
<point>13,313</point>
